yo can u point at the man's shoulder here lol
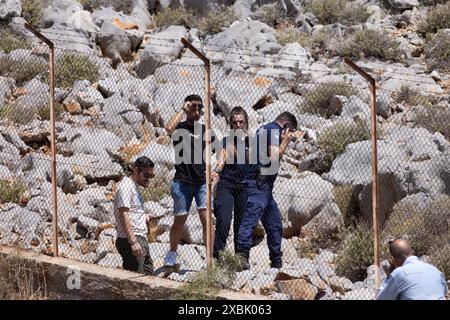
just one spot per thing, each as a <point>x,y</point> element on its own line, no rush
<point>125,183</point>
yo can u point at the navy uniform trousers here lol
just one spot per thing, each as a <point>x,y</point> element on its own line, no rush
<point>261,206</point>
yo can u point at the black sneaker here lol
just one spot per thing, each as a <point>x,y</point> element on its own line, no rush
<point>276,264</point>
<point>244,265</point>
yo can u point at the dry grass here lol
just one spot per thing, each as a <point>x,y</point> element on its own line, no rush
<point>206,284</point>
<point>21,279</point>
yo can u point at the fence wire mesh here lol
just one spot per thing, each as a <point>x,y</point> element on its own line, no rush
<point>107,118</point>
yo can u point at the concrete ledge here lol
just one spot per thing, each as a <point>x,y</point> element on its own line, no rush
<point>100,283</point>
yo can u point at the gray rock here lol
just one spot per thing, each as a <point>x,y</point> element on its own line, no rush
<point>80,140</point>
<point>117,43</point>
<point>60,11</point>
<point>86,225</point>
<point>340,284</point>
<point>12,137</point>
<point>242,278</point>
<point>96,167</point>
<point>360,294</point>
<point>27,223</point>
<point>384,106</point>
<point>5,173</point>
<point>316,194</point>
<point>10,9</point>
<point>287,8</point>
<point>292,57</point>
<point>70,39</point>
<point>247,37</point>
<point>164,48</point>
<point>242,9</point>
<point>9,155</point>
<point>189,258</point>
<point>7,86</point>
<point>355,106</point>
<point>155,209</point>
<point>403,4</point>
<point>324,257</point>
<point>42,206</point>
<point>84,94</point>
<point>111,260</point>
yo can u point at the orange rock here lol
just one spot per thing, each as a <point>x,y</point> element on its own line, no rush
<point>262,81</point>
<point>299,289</point>
<point>124,25</point>
<point>72,107</point>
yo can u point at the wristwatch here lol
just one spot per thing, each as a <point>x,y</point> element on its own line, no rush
<point>216,170</point>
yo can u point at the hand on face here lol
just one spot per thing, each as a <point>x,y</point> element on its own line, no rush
<point>193,110</point>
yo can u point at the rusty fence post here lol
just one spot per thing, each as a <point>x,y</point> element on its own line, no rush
<point>374,165</point>
<point>51,58</point>
<point>209,225</point>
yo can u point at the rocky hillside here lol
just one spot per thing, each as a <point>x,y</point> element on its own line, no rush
<point>122,71</point>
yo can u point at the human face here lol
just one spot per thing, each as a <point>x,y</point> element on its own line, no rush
<point>143,176</point>
<point>194,111</point>
<point>238,122</point>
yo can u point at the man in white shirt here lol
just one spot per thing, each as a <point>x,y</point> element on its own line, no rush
<point>409,278</point>
<point>131,220</point>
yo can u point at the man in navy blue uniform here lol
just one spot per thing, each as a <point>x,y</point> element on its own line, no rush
<point>272,140</point>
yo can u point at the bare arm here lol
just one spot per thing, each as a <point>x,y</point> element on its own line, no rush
<point>277,152</point>
<point>132,240</point>
<point>176,119</point>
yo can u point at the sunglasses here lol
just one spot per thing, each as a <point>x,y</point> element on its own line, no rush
<point>148,175</point>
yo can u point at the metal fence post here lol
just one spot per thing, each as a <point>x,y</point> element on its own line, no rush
<point>51,58</point>
<point>374,164</point>
<point>209,226</point>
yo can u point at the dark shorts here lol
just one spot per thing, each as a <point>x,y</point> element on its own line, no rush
<point>142,264</point>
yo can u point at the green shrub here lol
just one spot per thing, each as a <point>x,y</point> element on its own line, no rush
<point>21,72</point>
<point>71,67</point>
<point>9,41</point>
<point>269,14</point>
<point>32,11</point>
<point>412,97</point>
<point>347,203</point>
<point>118,5</point>
<point>437,51</point>
<point>335,139</point>
<point>177,17</point>
<point>356,254</point>
<point>215,21</point>
<point>207,283</point>
<point>354,14</point>
<point>327,11</point>
<point>437,18</point>
<point>440,258</point>
<point>316,42</point>
<point>424,226</point>
<point>319,98</point>
<point>44,112</point>
<point>434,119</point>
<point>370,43</point>
<point>12,190</point>
<point>157,190</point>
<point>9,112</point>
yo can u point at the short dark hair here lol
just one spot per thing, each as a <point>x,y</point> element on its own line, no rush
<point>289,117</point>
<point>143,162</point>
<point>193,97</point>
<point>238,110</point>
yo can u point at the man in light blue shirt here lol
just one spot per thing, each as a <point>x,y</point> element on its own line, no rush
<point>410,278</point>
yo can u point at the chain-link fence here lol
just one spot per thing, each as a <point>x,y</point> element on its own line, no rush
<point>106,118</point>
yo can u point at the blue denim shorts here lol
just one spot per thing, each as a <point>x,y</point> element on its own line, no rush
<point>182,195</point>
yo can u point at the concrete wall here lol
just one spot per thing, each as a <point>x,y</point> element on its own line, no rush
<point>96,282</point>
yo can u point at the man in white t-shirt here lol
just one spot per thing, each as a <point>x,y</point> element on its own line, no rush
<point>131,220</point>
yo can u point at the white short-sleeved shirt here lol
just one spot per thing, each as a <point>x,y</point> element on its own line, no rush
<point>129,196</point>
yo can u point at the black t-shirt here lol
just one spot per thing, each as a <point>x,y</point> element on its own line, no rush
<point>236,165</point>
<point>189,144</point>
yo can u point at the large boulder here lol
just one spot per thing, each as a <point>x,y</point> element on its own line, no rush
<point>159,154</point>
<point>301,199</point>
<point>10,9</point>
<point>403,4</point>
<point>92,141</point>
<point>60,11</point>
<point>118,40</point>
<point>83,93</point>
<point>7,86</point>
<point>121,117</point>
<point>250,41</point>
<point>9,154</point>
<point>409,161</point>
<point>70,39</point>
<point>163,47</point>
